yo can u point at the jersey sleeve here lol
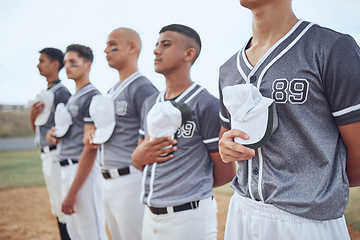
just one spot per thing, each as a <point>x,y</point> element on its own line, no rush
<point>143,92</point>
<point>210,124</point>
<point>85,108</point>
<point>342,80</point>
<point>62,95</point>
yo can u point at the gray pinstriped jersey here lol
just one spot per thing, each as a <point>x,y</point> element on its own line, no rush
<point>188,176</point>
<point>128,103</point>
<point>313,75</point>
<point>61,95</point>
<point>78,106</point>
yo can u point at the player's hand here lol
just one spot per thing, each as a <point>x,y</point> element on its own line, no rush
<point>151,151</point>
<point>36,109</point>
<point>232,151</point>
<point>88,138</point>
<point>51,136</point>
<point>68,206</point>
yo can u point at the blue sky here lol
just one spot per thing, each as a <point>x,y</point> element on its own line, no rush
<point>224,26</point>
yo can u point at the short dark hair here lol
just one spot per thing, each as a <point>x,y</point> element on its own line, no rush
<point>185,30</point>
<point>83,51</point>
<point>54,54</point>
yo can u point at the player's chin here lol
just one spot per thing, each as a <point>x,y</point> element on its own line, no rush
<point>158,69</point>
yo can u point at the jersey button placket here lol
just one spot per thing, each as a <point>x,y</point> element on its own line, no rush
<point>256,171</point>
<point>252,79</point>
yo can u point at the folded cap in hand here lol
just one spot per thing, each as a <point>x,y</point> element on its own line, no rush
<point>102,112</point>
<point>251,113</point>
<point>47,98</point>
<point>63,120</point>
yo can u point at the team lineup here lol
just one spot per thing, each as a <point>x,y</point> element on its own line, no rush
<point>285,132</point>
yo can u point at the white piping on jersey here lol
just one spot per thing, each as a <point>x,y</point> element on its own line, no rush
<point>282,53</point>
<point>223,118</point>
<point>211,140</point>
<point>247,63</point>
<point>258,64</point>
<point>152,179</point>
<point>102,163</point>
<point>261,161</point>
<point>80,93</point>
<point>56,87</point>
<point>238,64</point>
<point>87,119</point>
<point>346,110</point>
<point>250,178</point>
<point>144,173</point>
<point>193,95</point>
<point>161,96</point>
<point>115,92</point>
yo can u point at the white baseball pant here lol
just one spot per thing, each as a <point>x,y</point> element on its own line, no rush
<point>249,219</point>
<point>123,209</point>
<point>52,175</point>
<point>196,224</point>
<point>88,221</point>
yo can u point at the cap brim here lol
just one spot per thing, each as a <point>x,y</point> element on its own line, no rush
<point>61,131</point>
<point>258,129</point>
<point>42,118</point>
<point>102,135</point>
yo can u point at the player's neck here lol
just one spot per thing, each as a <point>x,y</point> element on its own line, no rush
<point>81,82</point>
<point>52,78</point>
<point>268,28</point>
<point>271,23</point>
<point>126,72</point>
<point>177,84</point>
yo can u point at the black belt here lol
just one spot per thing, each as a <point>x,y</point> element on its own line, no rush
<point>122,171</point>
<point>66,162</point>
<point>186,206</point>
<point>51,147</point>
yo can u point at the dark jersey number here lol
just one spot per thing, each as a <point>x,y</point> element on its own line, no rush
<point>296,91</point>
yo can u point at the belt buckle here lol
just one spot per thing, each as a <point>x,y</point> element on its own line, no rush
<point>105,173</point>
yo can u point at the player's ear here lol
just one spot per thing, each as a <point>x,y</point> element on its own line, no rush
<point>190,55</point>
<point>56,64</point>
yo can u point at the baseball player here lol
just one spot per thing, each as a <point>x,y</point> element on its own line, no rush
<point>178,180</point>
<point>50,63</point>
<point>81,178</point>
<point>295,186</point>
<point>122,185</point>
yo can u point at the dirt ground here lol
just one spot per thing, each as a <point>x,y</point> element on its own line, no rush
<point>25,215</point>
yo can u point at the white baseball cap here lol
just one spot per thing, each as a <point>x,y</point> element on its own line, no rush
<point>251,113</point>
<point>63,120</point>
<point>47,98</point>
<point>164,118</point>
<point>102,112</point>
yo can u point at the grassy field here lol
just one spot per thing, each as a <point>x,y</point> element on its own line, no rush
<point>20,169</point>
<point>23,169</point>
<point>15,123</point>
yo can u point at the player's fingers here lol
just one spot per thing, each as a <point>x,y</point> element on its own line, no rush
<point>165,151</point>
<point>233,133</point>
<point>164,144</point>
<point>160,140</point>
<point>165,158</point>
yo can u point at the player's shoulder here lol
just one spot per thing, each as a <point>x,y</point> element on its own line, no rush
<point>327,36</point>
<point>206,100</point>
<point>150,101</point>
<point>230,63</point>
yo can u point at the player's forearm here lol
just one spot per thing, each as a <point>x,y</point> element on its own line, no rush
<point>353,170</point>
<point>86,163</point>
<point>222,172</point>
